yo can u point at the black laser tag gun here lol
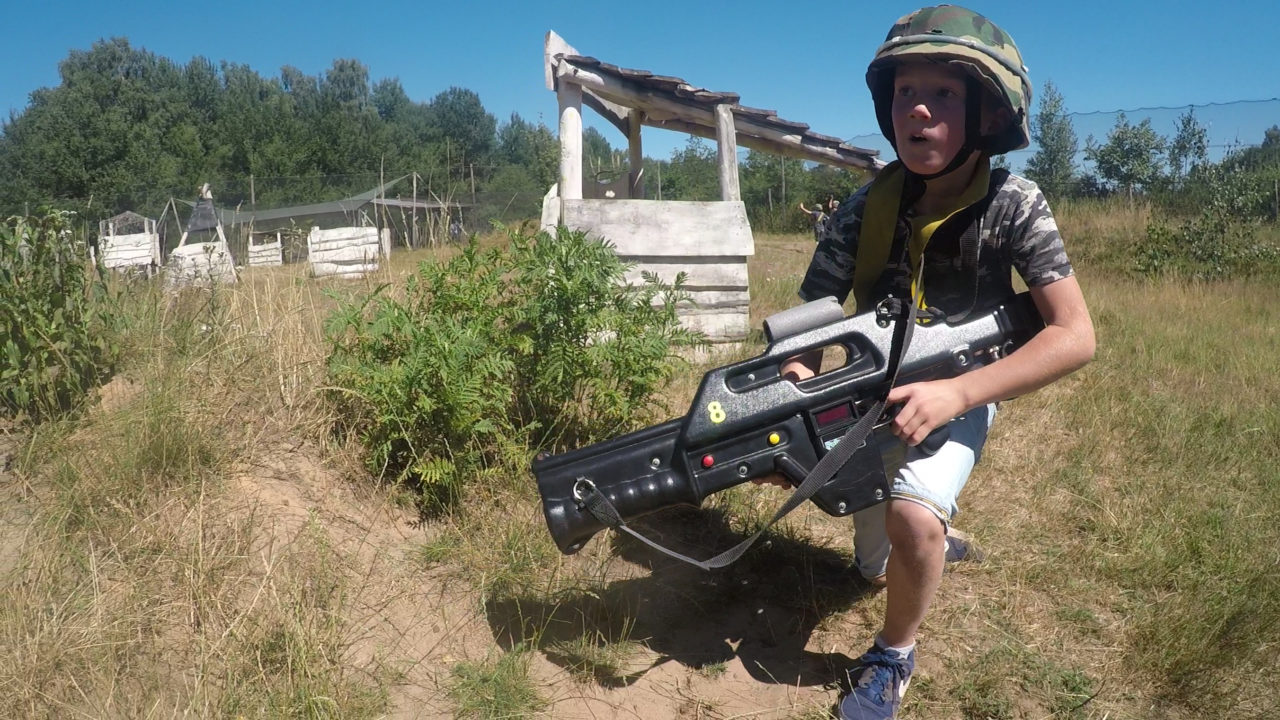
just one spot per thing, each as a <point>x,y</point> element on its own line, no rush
<point>747,421</point>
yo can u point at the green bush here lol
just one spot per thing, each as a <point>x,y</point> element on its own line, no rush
<point>54,325</point>
<point>1221,241</point>
<point>539,344</point>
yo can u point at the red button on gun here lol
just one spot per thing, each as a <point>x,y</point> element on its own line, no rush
<point>708,461</point>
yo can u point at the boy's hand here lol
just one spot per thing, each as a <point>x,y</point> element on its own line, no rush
<point>925,406</point>
<point>774,479</point>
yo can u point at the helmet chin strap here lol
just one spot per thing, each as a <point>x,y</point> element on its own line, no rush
<point>972,131</point>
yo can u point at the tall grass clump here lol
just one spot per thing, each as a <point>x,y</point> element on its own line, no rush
<point>1174,489</point>
<point>495,689</point>
<point>55,327</point>
<point>138,580</point>
<point>536,344</point>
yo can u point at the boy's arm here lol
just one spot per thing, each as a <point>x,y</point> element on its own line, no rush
<point>1065,344</point>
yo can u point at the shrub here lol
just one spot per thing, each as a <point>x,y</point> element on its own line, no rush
<point>499,350</point>
<point>1221,241</point>
<point>54,325</point>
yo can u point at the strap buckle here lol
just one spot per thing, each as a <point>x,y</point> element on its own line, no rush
<point>582,488</point>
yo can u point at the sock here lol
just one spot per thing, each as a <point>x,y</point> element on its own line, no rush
<point>903,651</point>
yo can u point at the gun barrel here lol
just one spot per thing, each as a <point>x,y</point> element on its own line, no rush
<point>639,472</point>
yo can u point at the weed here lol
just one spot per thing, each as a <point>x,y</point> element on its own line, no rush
<point>56,322</point>
<point>495,689</point>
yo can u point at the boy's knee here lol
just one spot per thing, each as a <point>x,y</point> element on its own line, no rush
<point>912,526</point>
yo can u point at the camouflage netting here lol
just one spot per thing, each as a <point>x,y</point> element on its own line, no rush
<point>126,223</point>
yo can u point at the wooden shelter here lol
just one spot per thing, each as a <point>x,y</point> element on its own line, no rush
<point>710,241</point>
<point>129,241</point>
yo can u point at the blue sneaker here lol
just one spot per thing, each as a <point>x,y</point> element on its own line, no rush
<point>879,681</point>
<point>961,546</point>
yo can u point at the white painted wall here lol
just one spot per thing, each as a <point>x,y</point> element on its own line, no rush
<point>201,264</point>
<point>343,252</point>
<point>267,254</point>
<point>709,241</point>
<point>133,250</point>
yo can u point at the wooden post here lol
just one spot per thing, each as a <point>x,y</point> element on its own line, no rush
<point>784,181</point>
<point>570,96</point>
<point>253,198</point>
<point>727,143</point>
<point>635,155</point>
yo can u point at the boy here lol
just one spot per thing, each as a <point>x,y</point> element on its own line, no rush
<point>950,91</point>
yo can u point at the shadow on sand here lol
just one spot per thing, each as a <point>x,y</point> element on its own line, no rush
<point>761,609</point>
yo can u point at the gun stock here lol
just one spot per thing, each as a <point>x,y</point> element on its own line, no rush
<point>747,422</point>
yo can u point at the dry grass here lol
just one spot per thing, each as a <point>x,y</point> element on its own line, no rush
<point>197,545</point>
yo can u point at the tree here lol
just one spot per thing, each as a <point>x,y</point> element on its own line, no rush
<point>1130,159</point>
<point>532,147</point>
<point>1188,149</point>
<point>1272,137</point>
<point>693,173</point>
<point>461,119</point>
<point>346,85</point>
<point>600,162</point>
<point>1053,164</point>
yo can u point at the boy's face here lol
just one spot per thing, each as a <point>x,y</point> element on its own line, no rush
<point>928,115</point>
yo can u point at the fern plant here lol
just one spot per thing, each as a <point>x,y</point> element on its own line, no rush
<point>496,351</point>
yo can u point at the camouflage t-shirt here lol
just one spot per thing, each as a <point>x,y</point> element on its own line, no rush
<point>1018,232</point>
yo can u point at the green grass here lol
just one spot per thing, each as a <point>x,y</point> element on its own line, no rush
<point>495,689</point>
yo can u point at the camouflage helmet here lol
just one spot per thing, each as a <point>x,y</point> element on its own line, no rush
<point>972,43</point>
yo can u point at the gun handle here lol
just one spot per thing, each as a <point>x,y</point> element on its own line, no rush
<point>935,440</point>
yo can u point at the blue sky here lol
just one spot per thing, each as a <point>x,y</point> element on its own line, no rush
<point>804,60</point>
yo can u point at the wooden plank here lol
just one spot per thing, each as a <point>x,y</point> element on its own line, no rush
<point>727,150</point>
<point>766,134</point>
<point>344,235</point>
<point>351,253</point>
<point>635,154</point>
<point>127,253</point>
<point>667,227</point>
<point>702,273</point>
<point>719,326</point>
<point>321,269</point>
<point>738,300</point>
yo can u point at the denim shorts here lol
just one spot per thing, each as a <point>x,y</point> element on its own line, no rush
<point>933,481</point>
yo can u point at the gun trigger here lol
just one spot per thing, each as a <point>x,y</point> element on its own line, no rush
<point>788,466</point>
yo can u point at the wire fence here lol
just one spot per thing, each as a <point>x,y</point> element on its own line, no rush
<point>1230,126</point>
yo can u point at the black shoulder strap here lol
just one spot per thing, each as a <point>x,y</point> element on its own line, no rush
<point>599,506</point>
<point>971,239</point>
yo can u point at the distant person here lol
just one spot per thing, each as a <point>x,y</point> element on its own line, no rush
<point>455,229</point>
<point>817,217</point>
<point>950,91</point>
